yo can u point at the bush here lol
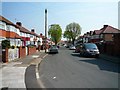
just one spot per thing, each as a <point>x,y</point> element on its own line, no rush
<point>31,45</point>
<point>12,47</point>
<point>5,44</point>
<point>18,46</point>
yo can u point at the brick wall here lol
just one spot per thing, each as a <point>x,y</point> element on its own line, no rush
<point>5,55</point>
<point>108,37</point>
<point>111,48</point>
<point>117,44</point>
<point>22,52</point>
<point>31,50</point>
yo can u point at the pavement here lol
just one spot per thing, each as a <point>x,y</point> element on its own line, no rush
<point>12,74</point>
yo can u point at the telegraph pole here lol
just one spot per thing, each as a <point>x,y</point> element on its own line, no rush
<point>45,30</point>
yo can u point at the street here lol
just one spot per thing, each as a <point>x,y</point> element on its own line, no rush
<point>69,70</point>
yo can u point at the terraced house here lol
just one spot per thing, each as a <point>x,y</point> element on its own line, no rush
<point>9,31</point>
<point>20,38</point>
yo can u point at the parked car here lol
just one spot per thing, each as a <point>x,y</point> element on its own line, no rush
<point>53,49</point>
<point>72,47</point>
<point>89,49</point>
<point>67,46</point>
<point>77,50</point>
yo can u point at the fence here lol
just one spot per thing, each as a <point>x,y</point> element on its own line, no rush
<point>12,54</point>
<point>111,48</point>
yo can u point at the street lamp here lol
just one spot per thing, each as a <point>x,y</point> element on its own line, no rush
<point>45,28</point>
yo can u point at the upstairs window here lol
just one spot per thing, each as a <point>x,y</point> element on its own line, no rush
<point>2,25</point>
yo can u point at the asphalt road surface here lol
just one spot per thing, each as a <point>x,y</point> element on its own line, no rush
<point>69,70</point>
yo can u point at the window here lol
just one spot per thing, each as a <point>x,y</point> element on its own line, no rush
<point>27,43</point>
<point>12,42</point>
<point>18,42</point>
<point>8,27</point>
<point>2,25</point>
<point>18,32</point>
<point>101,36</point>
<point>12,28</point>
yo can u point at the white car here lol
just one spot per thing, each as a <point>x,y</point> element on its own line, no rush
<point>72,47</point>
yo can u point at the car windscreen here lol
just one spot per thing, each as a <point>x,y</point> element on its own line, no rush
<point>90,46</point>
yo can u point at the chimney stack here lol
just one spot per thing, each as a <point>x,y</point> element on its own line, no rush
<point>32,30</point>
<point>41,34</point>
<point>105,26</point>
<point>19,23</point>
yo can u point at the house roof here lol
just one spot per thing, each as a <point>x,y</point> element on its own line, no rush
<point>7,21</point>
<point>22,29</point>
<point>106,29</point>
<point>91,32</point>
<point>33,33</point>
<point>109,29</point>
<point>97,32</point>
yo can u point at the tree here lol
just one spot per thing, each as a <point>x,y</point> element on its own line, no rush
<point>67,35</point>
<point>55,33</point>
<point>72,31</point>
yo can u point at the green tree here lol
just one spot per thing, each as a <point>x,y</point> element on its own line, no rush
<point>55,33</point>
<point>72,31</point>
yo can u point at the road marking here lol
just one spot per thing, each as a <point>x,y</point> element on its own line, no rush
<point>38,78</point>
<point>37,75</point>
<point>35,56</point>
<point>45,56</point>
<point>54,77</point>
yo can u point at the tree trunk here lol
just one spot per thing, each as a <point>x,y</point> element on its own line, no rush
<point>73,41</point>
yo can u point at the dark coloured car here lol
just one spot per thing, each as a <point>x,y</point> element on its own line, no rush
<point>89,49</point>
<point>53,49</point>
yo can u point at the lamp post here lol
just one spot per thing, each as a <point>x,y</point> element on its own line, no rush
<point>45,29</point>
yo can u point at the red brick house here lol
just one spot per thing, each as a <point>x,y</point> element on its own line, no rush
<point>9,31</point>
<point>105,34</point>
<point>108,32</point>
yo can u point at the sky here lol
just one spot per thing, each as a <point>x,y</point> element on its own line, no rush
<point>89,15</point>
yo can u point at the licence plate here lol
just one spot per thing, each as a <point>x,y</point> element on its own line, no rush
<point>93,53</point>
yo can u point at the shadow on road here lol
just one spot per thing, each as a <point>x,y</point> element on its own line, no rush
<point>104,65</point>
<point>75,54</point>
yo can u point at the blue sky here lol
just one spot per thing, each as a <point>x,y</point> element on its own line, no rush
<point>90,15</point>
